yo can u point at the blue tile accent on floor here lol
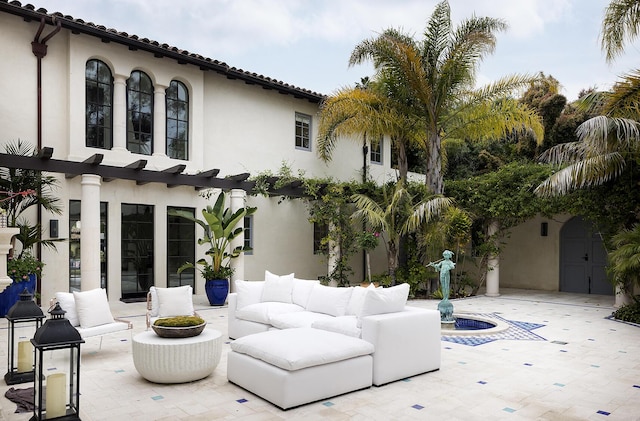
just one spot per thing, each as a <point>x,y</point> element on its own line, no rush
<point>558,384</point>
<point>418,407</point>
<point>328,404</point>
<point>482,382</point>
<point>518,330</point>
<point>157,398</point>
<point>637,385</point>
<point>406,380</point>
<point>559,342</point>
<point>123,340</point>
<point>605,413</point>
<point>243,400</point>
<point>563,350</point>
<point>595,366</point>
<point>120,371</point>
<point>528,364</point>
<point>509,410</point>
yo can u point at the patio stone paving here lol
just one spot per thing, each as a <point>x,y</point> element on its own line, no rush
<point>562,358</point>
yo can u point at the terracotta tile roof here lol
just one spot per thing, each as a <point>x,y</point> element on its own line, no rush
<point>134,42</point>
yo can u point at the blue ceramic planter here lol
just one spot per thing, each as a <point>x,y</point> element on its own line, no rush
<point>217,291</point>
<point>11,294</point>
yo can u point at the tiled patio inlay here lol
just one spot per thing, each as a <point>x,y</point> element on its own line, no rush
<point>517,330</point>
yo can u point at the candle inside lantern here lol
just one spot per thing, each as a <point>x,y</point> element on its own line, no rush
<point>25,356</point>
<point>56,399</point>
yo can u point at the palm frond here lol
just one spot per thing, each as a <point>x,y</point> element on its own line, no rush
<point>585,173</point>
<point>621,23</point>
<point>425,212</point>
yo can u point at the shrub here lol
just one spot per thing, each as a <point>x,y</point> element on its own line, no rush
<point>629,313</point>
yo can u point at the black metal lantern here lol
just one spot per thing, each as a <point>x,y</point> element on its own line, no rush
<point>57,374</point>
<point>25,317</point>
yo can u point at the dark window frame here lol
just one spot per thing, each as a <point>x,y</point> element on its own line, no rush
<point>98,105</point>
<point>140,113</point>
<point>177,120</point>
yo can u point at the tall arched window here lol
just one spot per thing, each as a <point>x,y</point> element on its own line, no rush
<point>177,98</point>
<point>139,113</point>
<point>98,105</point>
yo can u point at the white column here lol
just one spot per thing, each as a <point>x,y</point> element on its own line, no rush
<point>622,297</point>
<point>5,245</point>
<point>159,121</point>
<point>493,265</point>
<point>90,232</point>
<point>332,258</point>
<point>119,113</point>
<point>237,201</point>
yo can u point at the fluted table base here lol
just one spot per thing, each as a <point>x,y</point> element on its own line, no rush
<point>176,360</point>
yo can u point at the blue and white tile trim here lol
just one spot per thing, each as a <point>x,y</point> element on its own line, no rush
<point>518,331</point>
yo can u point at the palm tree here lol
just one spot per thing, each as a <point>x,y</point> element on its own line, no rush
<point>395,215</point>
<point>365,110</point>
<point>434,80</point>
<point>621,23</point>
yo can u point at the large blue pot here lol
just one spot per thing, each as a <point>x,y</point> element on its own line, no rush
<point>217,291</point>
<point>11,294</point>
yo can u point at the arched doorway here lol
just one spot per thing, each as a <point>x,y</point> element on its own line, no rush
<point>582,259</point>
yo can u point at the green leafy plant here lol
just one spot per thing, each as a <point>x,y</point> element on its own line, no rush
<point>219,227</point>
<point>19,268</point>
<point>630,312</point>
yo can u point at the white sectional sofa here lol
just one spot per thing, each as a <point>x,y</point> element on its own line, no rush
<point>405,339</point>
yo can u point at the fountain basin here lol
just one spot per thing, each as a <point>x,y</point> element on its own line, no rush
<point>473,325</point>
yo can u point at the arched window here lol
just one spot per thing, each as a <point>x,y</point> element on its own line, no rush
<point>139,113</point>
<point>177,98</point>
<point>99,105</point>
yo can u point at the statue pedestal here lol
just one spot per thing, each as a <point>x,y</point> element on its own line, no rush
<point>5,245</point>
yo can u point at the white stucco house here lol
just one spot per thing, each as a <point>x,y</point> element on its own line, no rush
<point>135,127</point>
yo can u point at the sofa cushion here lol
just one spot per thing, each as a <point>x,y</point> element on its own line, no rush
<point>68,304</point>
<point>93,308</point>
<point>154,302</point>
<point>262,312</point>
<point>295,349</point>
<point>302,291</point>
<point>249,292</point>
<point>277,288</point>
<point>297,319</point>
<point>175,301</point>
<point>357,299</point>
<point>329,300</point>
<point>346,325</point>
<point>384,300</point>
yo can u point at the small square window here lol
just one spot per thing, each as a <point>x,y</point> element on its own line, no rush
<point>320,231</point>
<point>248,233</point>
<point>375,156</point>
<point>303,131</point>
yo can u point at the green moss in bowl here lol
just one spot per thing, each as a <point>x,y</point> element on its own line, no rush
<point>179,321</point>
<point>179,326</point>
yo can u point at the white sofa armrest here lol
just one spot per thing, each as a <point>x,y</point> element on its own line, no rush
<point>407,343</point>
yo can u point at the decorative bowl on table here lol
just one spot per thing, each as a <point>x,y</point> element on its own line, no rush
<point>179,327</point>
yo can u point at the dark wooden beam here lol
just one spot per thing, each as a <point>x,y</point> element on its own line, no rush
<point>238,177</point>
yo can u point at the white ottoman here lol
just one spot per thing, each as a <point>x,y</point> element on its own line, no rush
<point>293,367</point>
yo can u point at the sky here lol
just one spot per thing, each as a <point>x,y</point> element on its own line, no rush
<point>307,43</point>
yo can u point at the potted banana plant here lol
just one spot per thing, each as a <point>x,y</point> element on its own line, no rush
<point>219,225</point>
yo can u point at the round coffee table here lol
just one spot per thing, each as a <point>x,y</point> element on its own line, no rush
<point>176,360</point>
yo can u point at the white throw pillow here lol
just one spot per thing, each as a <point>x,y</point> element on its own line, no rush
<point>302,291</point>
<point>329,300</point>
<point>93,308</point>
<point>249,292</point>
<point>357,299</point>
<point>154,302</point>
<point>277,288</point>
<point>262,312</point>
<point>176,301</point>
<point>68,304</point>
<point>384,300</point>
